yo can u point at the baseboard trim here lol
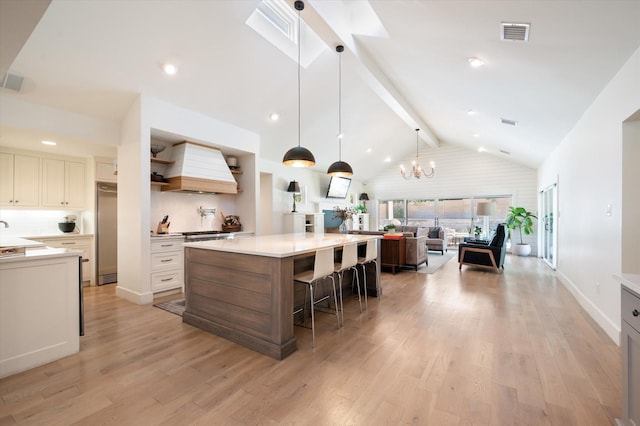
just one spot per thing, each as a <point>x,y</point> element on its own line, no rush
<point>609,327</point>
<point>134,297</point>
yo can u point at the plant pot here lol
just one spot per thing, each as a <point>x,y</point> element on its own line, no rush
<point>521,249</point>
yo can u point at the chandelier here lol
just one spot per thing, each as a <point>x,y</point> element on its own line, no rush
<point>416,170</point>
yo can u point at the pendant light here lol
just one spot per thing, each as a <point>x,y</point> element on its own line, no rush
<point>416,170</point>
<point>340,168</point>
<point>298,156</point>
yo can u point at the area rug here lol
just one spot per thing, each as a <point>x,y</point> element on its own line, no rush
<point>173,306</point>
<point>436,260</point>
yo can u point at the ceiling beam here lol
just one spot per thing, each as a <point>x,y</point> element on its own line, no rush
<point>331,21</point>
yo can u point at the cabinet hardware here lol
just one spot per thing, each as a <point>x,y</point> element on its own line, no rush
<point>166,260</point>
<point>166,245</point>
<point>69,244</point>
<point>166,279</point>
<point>635,312</point>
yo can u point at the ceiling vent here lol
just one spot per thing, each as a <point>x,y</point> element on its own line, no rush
<point>12,82</point>
<point>508,122</point>
<point>514,32</point>
<point>505,152</point>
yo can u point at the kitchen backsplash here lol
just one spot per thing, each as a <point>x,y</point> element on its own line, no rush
<point>184,210</point>
<point>25,223</point>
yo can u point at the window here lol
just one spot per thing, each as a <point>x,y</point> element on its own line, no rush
<point>389,210</point>
<point>421,213</point>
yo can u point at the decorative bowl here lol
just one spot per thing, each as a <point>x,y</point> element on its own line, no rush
<point>67,226</point>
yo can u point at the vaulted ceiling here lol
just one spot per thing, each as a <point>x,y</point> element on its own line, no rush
<point>405,66</point>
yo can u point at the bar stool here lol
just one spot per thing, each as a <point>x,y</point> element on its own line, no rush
<point>371,256</point>
<point>322,268</point>
<point>349,261</point>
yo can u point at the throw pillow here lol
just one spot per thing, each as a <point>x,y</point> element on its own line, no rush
<point>435,232</point>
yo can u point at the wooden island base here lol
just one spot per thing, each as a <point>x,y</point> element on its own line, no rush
<point>246,298</point>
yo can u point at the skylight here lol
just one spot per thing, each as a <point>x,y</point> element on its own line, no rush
<point>277,22</point>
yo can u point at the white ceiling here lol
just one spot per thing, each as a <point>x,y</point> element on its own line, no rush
<point>94,57</point>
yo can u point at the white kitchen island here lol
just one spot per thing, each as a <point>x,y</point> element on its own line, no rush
<point>39,305</point>
<point>242,289</point>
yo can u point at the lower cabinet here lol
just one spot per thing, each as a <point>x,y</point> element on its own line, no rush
<point>630,351</point>
<point>76,242</point>
<point>167,263</point>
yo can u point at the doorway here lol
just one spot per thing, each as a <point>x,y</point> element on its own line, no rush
<point>548,234</point>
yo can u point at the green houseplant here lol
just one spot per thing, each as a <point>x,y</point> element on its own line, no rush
<point>521,219</point>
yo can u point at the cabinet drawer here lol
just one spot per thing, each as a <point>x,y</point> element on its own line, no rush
<point>164,245</point>
<point>166,280</point>
<point>631,309</point>
<point>166,260</point>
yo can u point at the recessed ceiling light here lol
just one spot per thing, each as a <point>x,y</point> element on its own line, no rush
<point>369,150</point>
<point>169,69</point>
<point>274,116</point>
<point>482,149</point>
<point>387,160</point>
<point>470,112</point>
<point>476,62</point>
<point>48,143</point>
<point>476,135</point>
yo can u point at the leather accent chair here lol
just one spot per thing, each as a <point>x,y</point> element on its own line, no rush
<point>488,254</point>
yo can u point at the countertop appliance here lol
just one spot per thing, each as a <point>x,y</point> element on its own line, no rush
<point>207,236</point>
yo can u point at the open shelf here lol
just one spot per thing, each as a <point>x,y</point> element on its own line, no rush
<point>160,161</point>
<point>159,183</point>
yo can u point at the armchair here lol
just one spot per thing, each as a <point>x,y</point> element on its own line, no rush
<point>489,254</point>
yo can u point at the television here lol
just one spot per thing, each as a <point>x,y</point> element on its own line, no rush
<point>338,187</point>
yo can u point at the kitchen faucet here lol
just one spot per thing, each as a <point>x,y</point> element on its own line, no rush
<point>6,225</point>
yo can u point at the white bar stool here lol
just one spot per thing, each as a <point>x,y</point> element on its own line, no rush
<point>322,268</point>
<point>349,261</point>
<point>371,256</point>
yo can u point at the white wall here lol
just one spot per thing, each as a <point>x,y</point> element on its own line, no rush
<point>630,197</point>
<point>587,165</point>
<point>460,172</point>
<point>134,192</point>
<point>315,181</point>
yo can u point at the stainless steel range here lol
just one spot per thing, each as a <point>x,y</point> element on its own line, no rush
<point>207,236</point>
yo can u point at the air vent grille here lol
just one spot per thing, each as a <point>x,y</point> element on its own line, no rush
<point>505,152</point>
<point>12,82</point>
<point>508,122</point>
<point>514,32</point>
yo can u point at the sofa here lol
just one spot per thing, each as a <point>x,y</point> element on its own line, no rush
<point>416,245</point>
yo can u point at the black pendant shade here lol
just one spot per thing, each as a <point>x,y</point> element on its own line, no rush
<point>340,168</point>
<point>298,156</point>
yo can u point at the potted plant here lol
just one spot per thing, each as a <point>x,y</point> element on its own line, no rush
<point>521,219</point>
<point>477,231</point>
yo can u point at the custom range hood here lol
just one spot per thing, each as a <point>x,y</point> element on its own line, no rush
<point>199,168</point>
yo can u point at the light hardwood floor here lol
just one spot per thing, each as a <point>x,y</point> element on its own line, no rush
<point>451,348</point>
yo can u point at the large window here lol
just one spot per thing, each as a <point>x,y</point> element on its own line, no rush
<point>459,214</point>
<point>421,212</point>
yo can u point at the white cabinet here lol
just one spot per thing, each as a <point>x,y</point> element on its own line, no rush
<point>293,222</point>
<point>106,171</point>
<point>167,263</point>
<point>63,183</point>
<point>360,222</point>
<point>19,180</point>
<point>630,353</point>
<point>76,242</point>
<point>304,222</point>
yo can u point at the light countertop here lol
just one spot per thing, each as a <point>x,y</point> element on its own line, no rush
<point>7,241</point>
<point>39,253</point>
<point>281,245</point>
<point>631,281</point>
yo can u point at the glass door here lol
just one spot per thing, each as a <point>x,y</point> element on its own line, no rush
<point>548,233</point>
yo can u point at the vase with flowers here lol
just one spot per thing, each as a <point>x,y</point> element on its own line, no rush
<point>344,214</point>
